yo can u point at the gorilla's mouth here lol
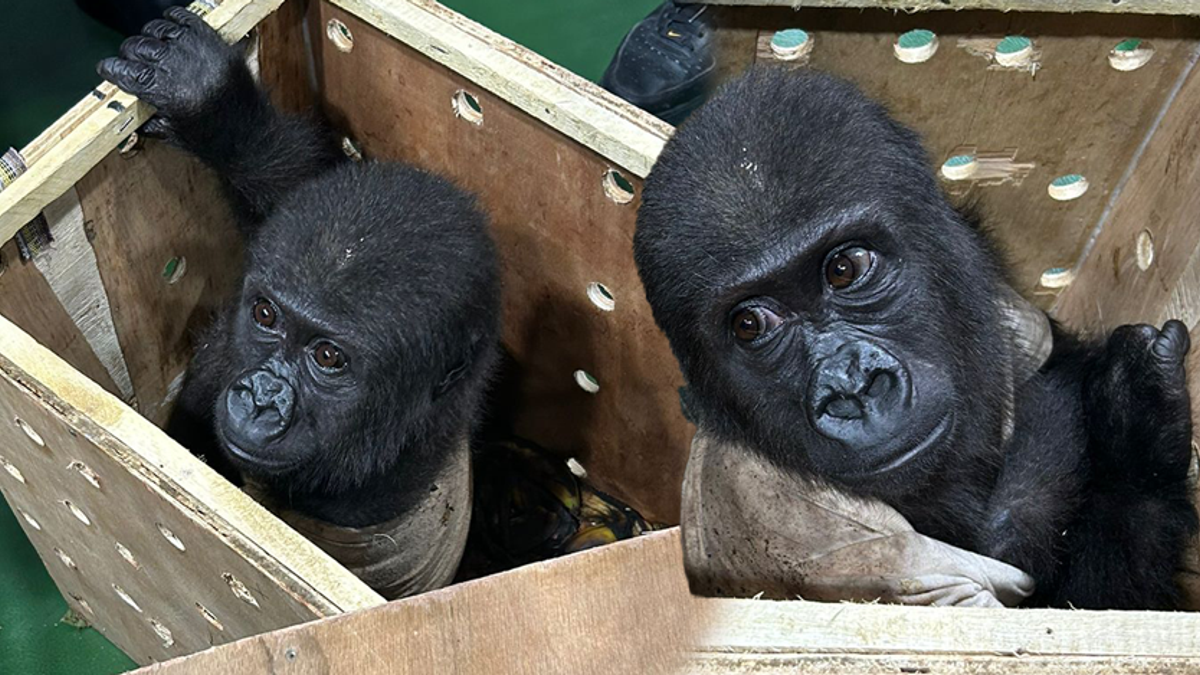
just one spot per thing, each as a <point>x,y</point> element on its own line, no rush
<point>250,459</point>
<point>902,454</point>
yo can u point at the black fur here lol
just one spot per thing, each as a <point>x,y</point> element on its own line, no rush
<point>393,265</point>
<point>743,212</point>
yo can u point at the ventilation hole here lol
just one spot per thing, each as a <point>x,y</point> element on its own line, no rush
<point>1130,54</point>
<point>1057,277</point>
<point>130,146</point>
<point>1145,250</point>
<point>12,470</point>
<point>32,523</point>
<point>339,35</point>
<point>959,167</point>
<point>128,556</point>
<point>126,597</point>
<point>239,589</point>
<point>617,187</point>
<point>66,559</point>
<point>163,633</point>
<point>85,471</point>
<point>351,149</point>
<point>1068,187</point>
<point>209,616</point>
<point>33,435</point>
<point>791,44</point>
<point>600,296</point>
<point>77,512</point>
<point>916,46</point>
<point>467,107</point>
<point>1014,50</point>
<point>586,382</point>
<point>170,536</point>
<point>174,270</point>
<point>576,468</point>
<point>83,604</point>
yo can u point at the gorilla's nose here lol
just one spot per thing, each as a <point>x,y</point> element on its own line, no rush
<point>259,408</point>
<point>859,393</point>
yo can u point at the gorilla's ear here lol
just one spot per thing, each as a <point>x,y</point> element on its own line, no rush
<point>1030,328</point>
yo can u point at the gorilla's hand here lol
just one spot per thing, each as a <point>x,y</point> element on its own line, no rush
<point>1137,400</point>
<point>182,67</point>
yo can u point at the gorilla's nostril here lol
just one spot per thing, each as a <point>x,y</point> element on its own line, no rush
<point>881,383</point>
<point>844,407</point>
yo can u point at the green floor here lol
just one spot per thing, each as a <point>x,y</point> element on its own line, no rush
<point>48,65</point>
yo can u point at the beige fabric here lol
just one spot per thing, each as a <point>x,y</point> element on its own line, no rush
<point>749,528</point>
<point>411,554</point>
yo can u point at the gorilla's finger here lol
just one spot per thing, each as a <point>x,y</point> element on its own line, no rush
<point>184,17</point>
<point>132,77</point>
<point>156,127</point>
<point>141,48</point>
<point>1174,341</point>
<point>162,29</point>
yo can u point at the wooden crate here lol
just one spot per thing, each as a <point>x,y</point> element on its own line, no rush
<point>167,559</point>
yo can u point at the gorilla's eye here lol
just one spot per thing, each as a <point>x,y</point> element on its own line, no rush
<point>328,356</point>
<point>750,323</point>
<point>848,265</point>
<point>264,313</point>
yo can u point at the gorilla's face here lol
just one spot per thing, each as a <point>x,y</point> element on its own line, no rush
<point>826,304</point>
<point>298,383</point>
<point>834,344</point>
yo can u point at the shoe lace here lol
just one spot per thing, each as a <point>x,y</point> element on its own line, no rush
<point>681,22</point>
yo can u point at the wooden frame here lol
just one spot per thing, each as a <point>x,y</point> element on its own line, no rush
<point>78,449</point>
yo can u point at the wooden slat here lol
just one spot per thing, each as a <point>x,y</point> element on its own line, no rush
<point>89,131</point>
<point>799,627</point>
<point>583,111</point>
<point>1072,6</point>
<point>64,440</point>
<point>622,608</point>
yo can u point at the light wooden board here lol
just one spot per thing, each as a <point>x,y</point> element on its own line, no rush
<point>95,126</point>
<point>1112,6</point>
<point>622,608</point>
<point>1076,114</point>
<point>144,211</point>
<point>894,664</point>
<point>93,474</point>
<point>28,301</point>
<point>557,232</point>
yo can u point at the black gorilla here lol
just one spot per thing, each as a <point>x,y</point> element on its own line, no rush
<point>349,367</point>
<point>829,308</point>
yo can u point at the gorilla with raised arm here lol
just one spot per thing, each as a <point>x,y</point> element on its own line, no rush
<point>344,377</point>
<point>833,312</point>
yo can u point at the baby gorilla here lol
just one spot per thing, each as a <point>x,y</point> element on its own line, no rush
<point>831,311</point>
<point>344,378</point>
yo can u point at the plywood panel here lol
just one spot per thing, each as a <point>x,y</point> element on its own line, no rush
<point>148,544</point>
<point>1074,114</point>
<point>623,608</point>
<point>27,300</point>
<point>146,210</point>
<point>557,232</point>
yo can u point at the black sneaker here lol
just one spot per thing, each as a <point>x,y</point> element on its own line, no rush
<point>665,64</point>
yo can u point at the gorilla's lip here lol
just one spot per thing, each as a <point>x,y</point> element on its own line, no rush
<point>899,459</point>
<point>249,458</point>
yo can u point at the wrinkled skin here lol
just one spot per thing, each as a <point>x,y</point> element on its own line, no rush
<point>829,308</point>
<point>352,359</point>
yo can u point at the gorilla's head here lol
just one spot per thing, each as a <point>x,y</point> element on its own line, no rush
<point>364,326</point>
<point>825,302</point>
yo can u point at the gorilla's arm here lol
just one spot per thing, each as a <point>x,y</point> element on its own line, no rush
<point>1125,547</point>
<point>209,105</point>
